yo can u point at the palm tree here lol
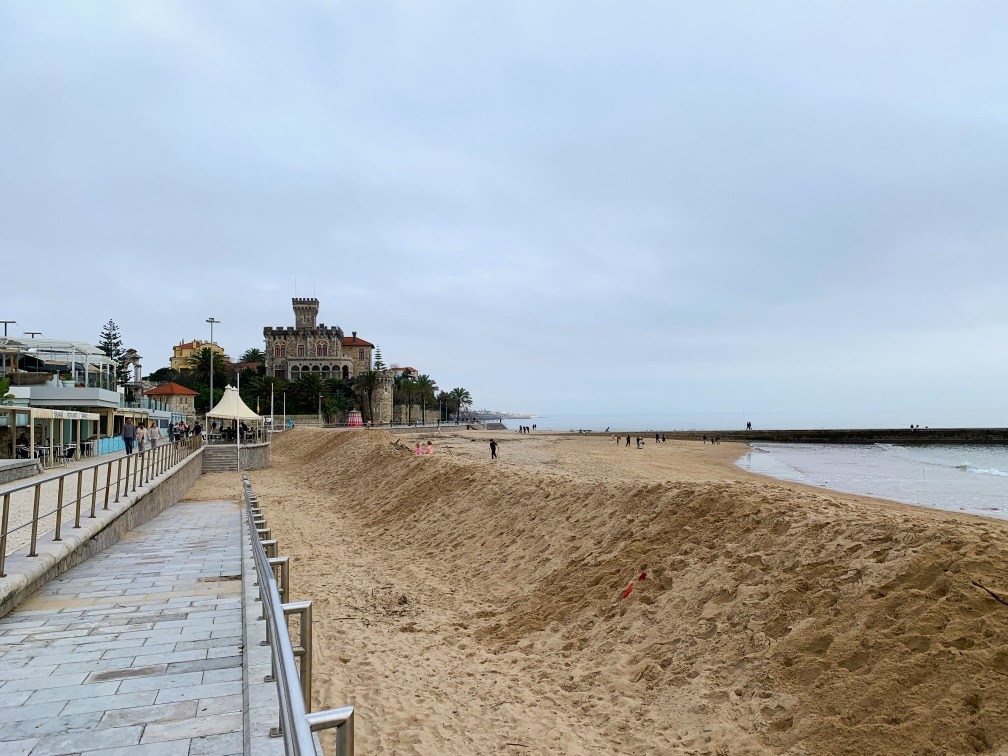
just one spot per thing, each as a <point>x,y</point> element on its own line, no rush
<point>425,387</point>
<point>406,389</point>
<point>462,399</point>
<point>253,355</point>
<point>262,387</point>
<point>199,366</point>
<point>366,384</point>
<point>306,391</point>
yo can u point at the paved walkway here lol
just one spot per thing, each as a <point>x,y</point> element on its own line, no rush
<point>137,651</point>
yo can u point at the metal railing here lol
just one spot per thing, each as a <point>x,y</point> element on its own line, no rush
<point>122,475</point>
<point>297,721</point>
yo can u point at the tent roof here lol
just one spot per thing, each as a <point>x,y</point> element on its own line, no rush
<point>231,406</point>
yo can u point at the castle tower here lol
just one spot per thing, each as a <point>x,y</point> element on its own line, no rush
<point>305,312</point>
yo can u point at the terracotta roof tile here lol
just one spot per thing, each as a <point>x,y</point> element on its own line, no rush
<point>171,389</point>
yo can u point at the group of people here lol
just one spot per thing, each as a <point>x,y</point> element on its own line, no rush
<point>141,434</point>
<point>420,451</point>
<point>526,428</point>
<point>713,440</point>
<point>659,438</point>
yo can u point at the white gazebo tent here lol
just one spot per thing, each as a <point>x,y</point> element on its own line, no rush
<point>231,407</point>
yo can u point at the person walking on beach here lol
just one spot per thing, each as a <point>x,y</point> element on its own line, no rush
<point>628,441</point>
<point>493,449</point>
<point>141,437</point>
<point>129,435</point>
<point>153,435</point>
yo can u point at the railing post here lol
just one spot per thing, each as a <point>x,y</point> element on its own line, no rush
<point>34,535</point>
<point>119,475</point>
<point>94,491</point>
<point>80,480</point>
<point>284,564</point>
<point>3,533</point>
<point>59,509</point>
<point>108,482</point>
<point>304,648</point>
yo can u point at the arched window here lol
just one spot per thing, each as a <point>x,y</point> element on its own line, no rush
<point>321,349</point>
<point>346,372</point>
<point>279,349</point>
<point>301,350</point>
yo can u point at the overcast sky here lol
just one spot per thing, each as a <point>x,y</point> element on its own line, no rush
<point>791,210</point>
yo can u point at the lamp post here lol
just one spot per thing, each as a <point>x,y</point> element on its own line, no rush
<point>211,320</point>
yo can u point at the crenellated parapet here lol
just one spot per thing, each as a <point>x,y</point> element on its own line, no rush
<point>312,347</point>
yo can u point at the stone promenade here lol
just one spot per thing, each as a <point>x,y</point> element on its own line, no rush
<point>136,651</point>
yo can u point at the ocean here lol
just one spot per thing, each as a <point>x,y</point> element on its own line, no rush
<point>971,479</point>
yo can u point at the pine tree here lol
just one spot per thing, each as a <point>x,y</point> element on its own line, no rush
<point>110,342</point>
<point>378,363</point>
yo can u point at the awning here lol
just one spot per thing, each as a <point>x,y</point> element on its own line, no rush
<point>58,414</point>
<point>45,413</point>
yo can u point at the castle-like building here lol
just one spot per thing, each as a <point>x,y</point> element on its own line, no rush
<point>311,347</point>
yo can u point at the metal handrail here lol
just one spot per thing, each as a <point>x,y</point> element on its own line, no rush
<point>141,468</point>
<point>297,721</point>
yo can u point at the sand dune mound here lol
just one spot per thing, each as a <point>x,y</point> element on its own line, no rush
<point>465,606</point>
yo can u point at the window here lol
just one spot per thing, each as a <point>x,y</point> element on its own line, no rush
<point>301,350</point>
<point>321,350</point>
<point>280,350</point>
<point>360,354</point>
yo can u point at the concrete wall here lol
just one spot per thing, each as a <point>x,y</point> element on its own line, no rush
<point>16,469</point>
<point>223,458</point>
<point>27,574</point>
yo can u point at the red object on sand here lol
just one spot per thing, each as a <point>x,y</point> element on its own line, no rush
<point>642,576</point>
<point>627,591</point>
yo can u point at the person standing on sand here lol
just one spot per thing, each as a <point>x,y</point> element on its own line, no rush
<point>129,434</point>
<point>628,441</point>
<point>493,449</point>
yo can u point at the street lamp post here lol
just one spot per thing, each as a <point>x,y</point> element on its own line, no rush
<point>211,320</point>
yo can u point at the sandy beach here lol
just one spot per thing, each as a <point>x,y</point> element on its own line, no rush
<point>471,607</point>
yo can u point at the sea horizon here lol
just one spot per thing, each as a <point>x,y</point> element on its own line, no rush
<point>724,421</point>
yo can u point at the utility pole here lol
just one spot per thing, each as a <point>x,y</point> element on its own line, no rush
<point>211,320</point>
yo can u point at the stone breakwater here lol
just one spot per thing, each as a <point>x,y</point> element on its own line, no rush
<point>978,436</point>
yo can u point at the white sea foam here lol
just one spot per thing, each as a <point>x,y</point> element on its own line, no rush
<point>930,476</point>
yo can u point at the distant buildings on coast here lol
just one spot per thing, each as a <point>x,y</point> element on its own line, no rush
<point>56,380</point>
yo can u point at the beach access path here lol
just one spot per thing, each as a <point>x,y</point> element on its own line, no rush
<point>137,650</point>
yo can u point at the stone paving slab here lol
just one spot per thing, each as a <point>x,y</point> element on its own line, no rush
<point>137,651</point>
